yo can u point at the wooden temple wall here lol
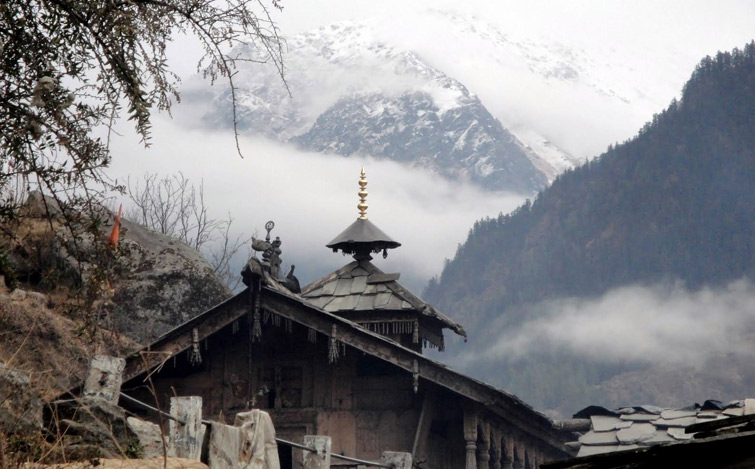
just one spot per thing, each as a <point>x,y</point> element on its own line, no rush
<point>364,404</point>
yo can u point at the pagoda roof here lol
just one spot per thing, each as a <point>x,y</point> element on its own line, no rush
<point>362,235</point>
<point>361,287</point>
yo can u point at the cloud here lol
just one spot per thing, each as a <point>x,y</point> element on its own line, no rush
<point>636,52</point>
<point>312,197</point>
<point>664,324</point>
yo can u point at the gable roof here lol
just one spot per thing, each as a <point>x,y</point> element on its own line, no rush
<point>278,300</point>
<point>361,286</point>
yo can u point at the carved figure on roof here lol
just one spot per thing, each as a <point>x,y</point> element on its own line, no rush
<point>291,282</point>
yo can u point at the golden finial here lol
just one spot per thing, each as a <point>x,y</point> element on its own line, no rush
<point>362,205</point>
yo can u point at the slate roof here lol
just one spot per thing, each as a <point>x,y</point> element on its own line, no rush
<point>630,428</point>
<point>360,286</point>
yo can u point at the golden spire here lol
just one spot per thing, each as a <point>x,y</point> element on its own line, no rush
<point>362,205</point>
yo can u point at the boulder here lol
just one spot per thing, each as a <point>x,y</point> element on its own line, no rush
<point>20,404</point>
<point>91,427</point>
<point>150,441</point>
<point>164,283</point>
<point>146,287</point>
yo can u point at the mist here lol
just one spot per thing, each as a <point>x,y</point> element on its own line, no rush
<point>662,324</point>
<point>312,197</point>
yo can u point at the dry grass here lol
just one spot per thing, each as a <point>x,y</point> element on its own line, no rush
<point>54,350</point>
<point>154,463</point>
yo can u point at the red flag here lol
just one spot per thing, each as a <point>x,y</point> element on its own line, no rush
<point>113,239</point>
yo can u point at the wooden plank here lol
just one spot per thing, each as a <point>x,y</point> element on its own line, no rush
<point>383,278</point>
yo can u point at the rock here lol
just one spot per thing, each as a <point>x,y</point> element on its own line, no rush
<point>148,433</point>
<point>396,459</point>
<point>20,404</point>
<point>164,283</point>
<point>37,299</point>
<point>91,427</point>
<point>150,285</point>
<point>18,295</point>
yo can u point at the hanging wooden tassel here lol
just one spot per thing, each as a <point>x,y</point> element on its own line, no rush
<point>255,325</point>
<point>256,328</point>
<point>195,357</point>
<point>333,347</point>
<point>415,376</point>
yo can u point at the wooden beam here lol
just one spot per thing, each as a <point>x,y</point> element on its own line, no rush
<point>180,339</point>
<point>507,407</point>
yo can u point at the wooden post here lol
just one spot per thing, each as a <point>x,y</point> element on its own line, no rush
<point>518,457</point>
<point>495,448</point>
<point>104,378</point>
<point>508,455</point>
<point>396,459</point>
<point>186,438</point>
<point>423,426</point>
<point>320,459</point>
<point>483,446</point>
<point>470,437</point>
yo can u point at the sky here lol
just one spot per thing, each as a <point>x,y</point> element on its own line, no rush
<point>652,46</point>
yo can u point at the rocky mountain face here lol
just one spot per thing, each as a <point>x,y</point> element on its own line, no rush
<point>353,94</point>
<point>462,143</point>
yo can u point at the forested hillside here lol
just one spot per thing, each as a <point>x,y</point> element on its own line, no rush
<point>676,201</point>
<point>671,210</point>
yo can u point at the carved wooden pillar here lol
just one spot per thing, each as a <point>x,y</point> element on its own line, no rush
<point>508,454</point>
<point>483,446</point>
<point>495,448</point>
<point>518,462</point>
<point>470,437</point>
<point>534,461</point>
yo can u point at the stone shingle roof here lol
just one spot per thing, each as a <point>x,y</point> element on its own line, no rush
<point>360,286</point>
<point>629,428</point>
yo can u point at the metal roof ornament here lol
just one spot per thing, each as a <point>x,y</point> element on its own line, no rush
<point>362,205</point>
<point>362,237</point>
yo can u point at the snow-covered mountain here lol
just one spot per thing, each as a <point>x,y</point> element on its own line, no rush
<point>352,94</point>
<point>451,93</point>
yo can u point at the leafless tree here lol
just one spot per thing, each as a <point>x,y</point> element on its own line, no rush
<point>173,206</point>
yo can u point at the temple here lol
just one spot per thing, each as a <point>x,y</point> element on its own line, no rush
<point>343,357</point>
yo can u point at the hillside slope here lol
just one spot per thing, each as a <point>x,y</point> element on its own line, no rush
<point>669,214</point>
<point>677,201</point>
